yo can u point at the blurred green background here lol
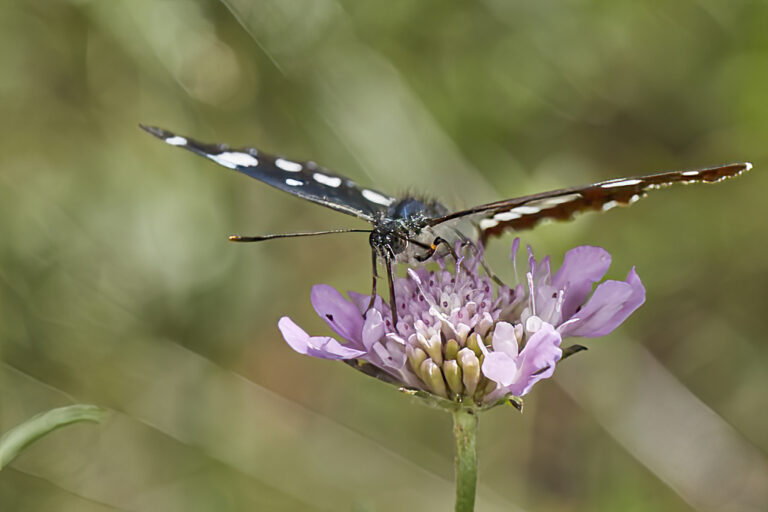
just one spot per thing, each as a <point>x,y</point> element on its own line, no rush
<point>118,286</point>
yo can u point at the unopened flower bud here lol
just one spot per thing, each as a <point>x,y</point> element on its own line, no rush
<point>432,347</point>
<point>452,374</point>
<point>473,342</point>
<point>451,349</point>
<point>416,356</point>
<point>470,366</point>
<point>433,378</point>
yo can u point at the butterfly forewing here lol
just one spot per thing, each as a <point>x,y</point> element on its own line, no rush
<point>306,180</point>
<point>309,181</point>
<point>525,212</point>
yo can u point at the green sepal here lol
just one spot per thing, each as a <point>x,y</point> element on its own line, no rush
<point>516,402</point>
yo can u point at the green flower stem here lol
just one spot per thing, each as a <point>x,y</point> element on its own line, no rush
<point>465,432</point>
<point>21,436</point>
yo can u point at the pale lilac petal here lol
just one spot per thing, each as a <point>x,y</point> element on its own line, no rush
<point>543,271</point>
<point>500,367</point>
<point>323,347</point>
<point>342,315</point>
<point>609,306</point>
<point>360,300</point>
<point>582,267</point>
<point>373,328</point>
<point>542,351</point>
<point>504,339</point>
<point>294,335</point>
<point>397,357</point>
<point>547,301</point>
<point>513,255</point>
<point>392,354</point>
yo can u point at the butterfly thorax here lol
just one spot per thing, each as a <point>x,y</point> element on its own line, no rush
<point>402,231</point>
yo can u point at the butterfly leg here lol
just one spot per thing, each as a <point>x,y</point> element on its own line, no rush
<point>437,242</point>
<point>490,273</point>
<point>432,249</point>
<point>375,279</point>
<point>465,242</point>
<point>389,259</point>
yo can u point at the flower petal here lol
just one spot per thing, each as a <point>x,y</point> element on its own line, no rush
<point>326,347</point>
<point>342,315</point>
<point>323,347</point>
<point>504,339</point>
<point>609,306</point>
<point>500,367</point>
<point>542,271</point>
<point>582,267</point>
<point>294,335</point>
<point>373,328</point>
<point>513,253</point>
<point>392,354</point>
<point>360,300</point>
<point>542,351</point>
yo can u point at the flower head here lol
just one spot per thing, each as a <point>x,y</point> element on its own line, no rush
<point>464,338</point>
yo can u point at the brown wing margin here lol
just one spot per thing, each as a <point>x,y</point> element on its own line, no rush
<point>520,213</point>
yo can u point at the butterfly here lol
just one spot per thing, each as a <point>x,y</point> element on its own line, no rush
<point>410,228</point>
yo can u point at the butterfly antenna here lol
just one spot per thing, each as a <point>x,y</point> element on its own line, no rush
<point>238,238</point>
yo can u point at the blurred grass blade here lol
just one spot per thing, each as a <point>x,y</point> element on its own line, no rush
<point>36,427</point>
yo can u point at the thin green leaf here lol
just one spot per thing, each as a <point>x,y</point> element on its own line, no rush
<point>41,424</point>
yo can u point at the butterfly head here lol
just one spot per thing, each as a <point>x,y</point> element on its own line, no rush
<point>389,238</point>
<point>404,224</point>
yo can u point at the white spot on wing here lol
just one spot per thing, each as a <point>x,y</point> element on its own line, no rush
<point>331,181</point>
<point>747,166</point>
<point>293,183</point>
<point>506,216</point>
<point>691,173</point>
<point>287,165</point>
<point>488,223</point>
<point>234,159</point>
<point>610,205</point>
<point>377,198</point>
<point>635,198</point>
<point>525,210</point>
<point>621,183</point>
<point>176,141</point>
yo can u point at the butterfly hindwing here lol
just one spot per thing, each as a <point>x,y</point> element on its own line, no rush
<point>306,180</point>
<point>516,214</point>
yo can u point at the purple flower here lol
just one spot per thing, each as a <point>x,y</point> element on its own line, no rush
<point>460,336</point>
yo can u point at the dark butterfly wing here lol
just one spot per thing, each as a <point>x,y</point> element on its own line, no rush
<point>525,212</point>
<point>306,180</point>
